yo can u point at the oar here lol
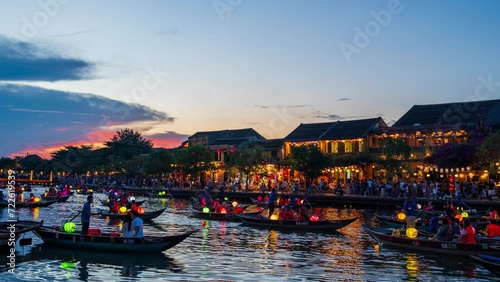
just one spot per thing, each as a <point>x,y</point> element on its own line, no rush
<point>75,216</point>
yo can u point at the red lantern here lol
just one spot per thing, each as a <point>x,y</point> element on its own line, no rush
<point>140,210</point>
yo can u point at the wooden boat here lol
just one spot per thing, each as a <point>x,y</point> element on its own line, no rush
<point>20,227</point>
<point>265,204</point>
<point>423,244</point>
<point>28,204</point>
<point>107,242</point>
<point>319,225</point>
<point>231,216</point>
<point>128,205</point>
<point>423,224</point>
<point>59,199</point>
<point>489,262</point>
<point>147,216</point>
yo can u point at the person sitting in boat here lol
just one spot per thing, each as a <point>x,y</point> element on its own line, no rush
<point>468,234</point>
<point>116,206</point>
<point>134,206</point>
<point>137,225</point>
<point>434,224</point>
<point>444,231</point>
<point>288,213</point>
<point>31,199</point>
<point>238,209</point>
<point>282,213</point>
<point>302,214</point>
<point>493,215</point>
<point>456,232</point>
<point>493,230</point>
<point>215,205</point>
<point>429,206</point>
<point>126,229</point>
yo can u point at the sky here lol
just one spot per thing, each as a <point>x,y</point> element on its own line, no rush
<point>73,72</point>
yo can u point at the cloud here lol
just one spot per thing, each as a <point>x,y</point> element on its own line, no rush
<point>167,139</point>
<point>78,32</point>
<point>40,118</point>
<point>344,99</point>
<point>27,61</point>
<point>282,106</point>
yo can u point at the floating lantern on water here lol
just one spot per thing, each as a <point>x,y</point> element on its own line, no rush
<point>401,216</point>
<point>465,214</point>
<point>206,210</point>
<point>123,209</point>
<point>411,232</point>
<point>68,265</point>
<point>37,200</point>
<point>274,217</point>
<point>140,210</point>
<point>69,227</point>
<point>314,217</point>
<point>234,203</point>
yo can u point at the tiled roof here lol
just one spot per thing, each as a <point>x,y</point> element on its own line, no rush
<point>464,115</point>
<point>338,130</point>
<point>213,136</point>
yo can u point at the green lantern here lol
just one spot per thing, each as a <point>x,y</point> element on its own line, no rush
<point>70,227</point>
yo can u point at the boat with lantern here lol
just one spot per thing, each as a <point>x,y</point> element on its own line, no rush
<point>108,241</point>
<point>295,225</point>
<point>128,205</point>
<point>230,216</point>
<point>423,224</point>
<point>489,262</point>
<point>16,227</point>
<point>264,204</point>
<point>145,216</point>
<point>59,199</point>
<point>394,238</point>
<point>36,204</point>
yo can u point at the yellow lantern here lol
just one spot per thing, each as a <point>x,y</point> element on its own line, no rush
<point>234,204</point>
<point>123,209</point>
<point>37,200</point>
<point>274,217</point>
<point>401,216</point>
<point>411,232</point>
<point>465,214</point>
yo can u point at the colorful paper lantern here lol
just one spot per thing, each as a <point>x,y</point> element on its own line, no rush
<point>123,209</point>
<point>459,217</point>
<point>411,232</point>
<point>140,210</point>
<point>401,216</point>
<point>206,210</point>
<point>37,200</point>
<point>234,203</point>
<point>223,210</point>
<point>465,214</point>
<point>274,217</point>
<point>69,227</point>
<point>259,198</point>
<point>314,217</point>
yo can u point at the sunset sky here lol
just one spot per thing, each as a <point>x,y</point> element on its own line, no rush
<point>73,72</point>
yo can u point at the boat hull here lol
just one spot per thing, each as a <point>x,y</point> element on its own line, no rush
<point>147,216</point>
<point>109,243</point>
<point>320,225</point>
<point>231,217</point>
<point>433,246</point>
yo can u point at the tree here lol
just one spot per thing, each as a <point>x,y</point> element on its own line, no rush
<point>394,159</point>
<point>194,159</point>
<point>73,159</point>
<point>33,162</point>
<point>127,143</point>
<point>451,155</point>
<point>159,162</point>
<point>488,153</point>
<point>8,163</point>
<point>309,160</point>
<point>246,160</point>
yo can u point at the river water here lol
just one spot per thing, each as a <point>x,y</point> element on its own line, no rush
<point>223,251</point>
